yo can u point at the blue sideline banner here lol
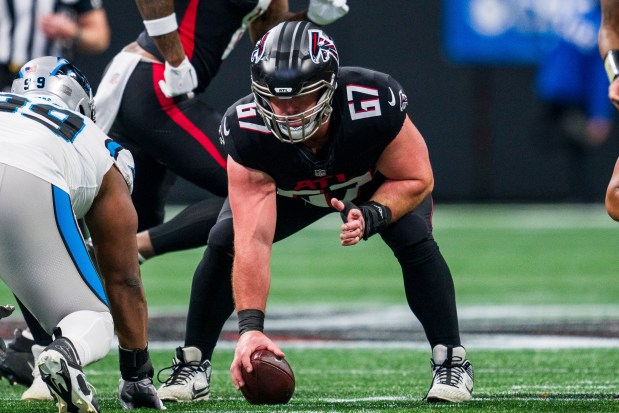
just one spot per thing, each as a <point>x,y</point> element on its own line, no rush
<point>515,31</point>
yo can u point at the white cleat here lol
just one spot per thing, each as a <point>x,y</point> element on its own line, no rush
<point>190,379</point>
<point>61,371</point>
<point>452,375</point>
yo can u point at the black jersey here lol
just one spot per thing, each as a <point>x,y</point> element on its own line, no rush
<point>209,30</point>
<point>368,113</point>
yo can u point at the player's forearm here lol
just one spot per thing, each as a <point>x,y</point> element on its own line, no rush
<point>608,38</point>
<point>169,44</point>
<point>403,196</point>
<point>251,277</point>
<point>129,311</point>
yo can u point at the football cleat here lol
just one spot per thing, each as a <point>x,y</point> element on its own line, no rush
<point>190,379</point>
<point>61,371</point>
<point>18,365</point>
<point>452,375</point>
<point>38,390</point>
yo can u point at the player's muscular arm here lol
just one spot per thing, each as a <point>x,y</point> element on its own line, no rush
<point>612,194</point>
<point>252,200</point>
<point>406,164</point>
<point>168,44</point>
<point>112,222</point>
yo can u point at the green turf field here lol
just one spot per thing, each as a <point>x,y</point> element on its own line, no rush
<point>498,255</point>
<point>393,380</point>
<point>555,257</point>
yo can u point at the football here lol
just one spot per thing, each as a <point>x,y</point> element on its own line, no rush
<point>270,382</point>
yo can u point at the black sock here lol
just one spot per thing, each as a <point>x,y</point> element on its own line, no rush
<point>211,302</point>
<point>39,335</point>
<point>430,292</point>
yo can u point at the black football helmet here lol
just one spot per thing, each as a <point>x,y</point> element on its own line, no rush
<point>294,59</point>
<point>58,77</point>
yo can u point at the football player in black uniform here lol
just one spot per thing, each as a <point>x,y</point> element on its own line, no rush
<point>149,97</point>
<point>312,139</point>
<point>609,50</point>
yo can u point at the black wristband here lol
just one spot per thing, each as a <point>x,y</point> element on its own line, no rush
<point>376,216</point>
<point>135,365</point>
<point>250,320</point>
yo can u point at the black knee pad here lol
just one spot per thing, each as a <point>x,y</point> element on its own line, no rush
<point>417,253</point>
<point>222,235</point>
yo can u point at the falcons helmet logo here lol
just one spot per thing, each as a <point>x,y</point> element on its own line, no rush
<point>321,48</point>
<point>258,53</point>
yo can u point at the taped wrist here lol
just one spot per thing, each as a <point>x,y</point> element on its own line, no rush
<point>250,320</point>
<point>135,365</point>
<point>376,216</point>
<point>611,64</point>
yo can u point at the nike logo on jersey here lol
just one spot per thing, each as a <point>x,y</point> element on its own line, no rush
<point>392,100</point>
<point>226,130</point>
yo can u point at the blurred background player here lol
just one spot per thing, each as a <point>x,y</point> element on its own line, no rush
<point>56,166</point>
<point>571,84</point>
<point>608,42</point>
<point>310,133</point>
<point>32,28</point>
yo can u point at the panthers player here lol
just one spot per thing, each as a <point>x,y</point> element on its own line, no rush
<point>312,139</point>
<point>56,166</point>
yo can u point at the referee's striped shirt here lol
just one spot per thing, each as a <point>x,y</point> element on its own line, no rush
<point>20,36</point>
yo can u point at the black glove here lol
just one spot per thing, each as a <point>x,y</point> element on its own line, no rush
<point>6,310</point>
<point>136,388</point>
<point>136,394</point>
<point>376,216</point>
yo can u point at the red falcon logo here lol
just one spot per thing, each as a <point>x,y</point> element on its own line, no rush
<point>321,47</point>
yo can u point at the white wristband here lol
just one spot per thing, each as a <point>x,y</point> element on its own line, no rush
<point>159,27</point>
<point>611,64</point>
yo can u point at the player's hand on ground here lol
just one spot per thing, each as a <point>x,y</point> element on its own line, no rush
<point>179,80</point>
<point>248,343</point>
<point>353,226</point>
<point>137,394</point>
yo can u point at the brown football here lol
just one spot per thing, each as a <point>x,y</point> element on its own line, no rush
<point>270,382</point>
